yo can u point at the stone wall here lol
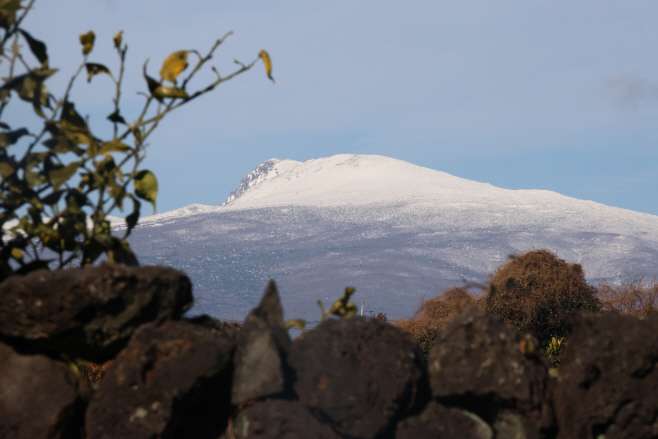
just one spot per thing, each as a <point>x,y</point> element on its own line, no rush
<point>348,378</point>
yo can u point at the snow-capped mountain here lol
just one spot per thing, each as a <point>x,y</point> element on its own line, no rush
<point>394,230</point>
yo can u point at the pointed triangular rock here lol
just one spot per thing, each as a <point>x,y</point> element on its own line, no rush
<point>260,358</point>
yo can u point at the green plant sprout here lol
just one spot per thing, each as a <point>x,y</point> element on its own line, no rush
<point>341,307</point>
<point>58,193</point>
<point>554,351</point>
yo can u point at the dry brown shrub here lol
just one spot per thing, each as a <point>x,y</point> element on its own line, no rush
<point>635,297</point>
<point>94,372</point>
<point>433,314</point>
<point>538,293</point>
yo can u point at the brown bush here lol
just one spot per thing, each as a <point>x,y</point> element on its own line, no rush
<point>433,314</point>
<point>92,371</point>
<point>539,293</point>
<point>635,297</point>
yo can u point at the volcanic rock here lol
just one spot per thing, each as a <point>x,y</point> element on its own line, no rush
<point>482,366</point>
<point>39,398</point>
<point>88,313</point>
<point>260,358</point>
<point>437,421</point>
<point>608,382</point>
<point>359,375</point>
<point>172,381</point>
<point>279,419</point>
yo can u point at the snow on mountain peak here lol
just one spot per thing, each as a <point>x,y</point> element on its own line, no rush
<point>344,179</point>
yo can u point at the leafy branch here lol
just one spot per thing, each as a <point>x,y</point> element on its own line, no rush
<point>56,196</point>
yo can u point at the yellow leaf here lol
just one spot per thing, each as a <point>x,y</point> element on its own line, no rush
<point>113,146</point>
<point>117,39</point>
<point>5,170</point>
<point>298,323</point>
<point>59,176</point>
<point>17,254</point>
<point>87,41</point>
<point>174,65</point>
<point>268,64</point>
<point>526,347</point>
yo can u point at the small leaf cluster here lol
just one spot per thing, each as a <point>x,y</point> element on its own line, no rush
<point>554,350</point>
<point>60,182</point>
<point>341,307</point>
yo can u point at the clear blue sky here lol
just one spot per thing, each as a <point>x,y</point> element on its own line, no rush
<point>557,95</point>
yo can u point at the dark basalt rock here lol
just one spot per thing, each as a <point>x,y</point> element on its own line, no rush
<point>279,419</point>
<point>486,368</point>
<point>608,382</point>
<point>88,313</point>
<point>437,421</point>
<point>260,359</point>
<point>172,381</point>
<point>39,398</point>
<point>359,375</point>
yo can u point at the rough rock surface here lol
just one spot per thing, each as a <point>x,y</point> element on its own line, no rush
<point>485,367</point>
<point>608,383</point>
<point>437,421</point>
<point>39,397</point>
<point>172,381</point>
<point>358,374</point>
<point>260,358</point>
<point>279,419</point>
<point>89,313</point>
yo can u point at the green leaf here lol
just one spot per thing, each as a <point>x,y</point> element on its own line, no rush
<point>14,83</point>
<point>152,83</point>
<point>169,92</point>
<point>52,198</point>
<point>61,175</point>
<point>47,234</point>
<point>8,10</point>
<point>37,47</point>
<point>95,69</point>
<point>146,187</point>
<point>91,250</point>
<point>87,41</point>
<point>10,137</point>
<point>120,253</point>
<point>75,201</point>
<point>131,220</point>
<point>102,228</point>
<point>116,117</point>
<point>31,88</point>
<point>74,126</point>
<point>113,146</point>
<point>34,178</point>
<point>343,307</point>
<point>116,191</point>
<point>62,144</point>
<point>34,90</point>
<point>106,165</point>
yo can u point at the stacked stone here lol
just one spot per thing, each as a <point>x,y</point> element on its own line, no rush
<point>356,377</point>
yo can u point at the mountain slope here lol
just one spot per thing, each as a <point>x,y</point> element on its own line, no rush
<point>393,230</point>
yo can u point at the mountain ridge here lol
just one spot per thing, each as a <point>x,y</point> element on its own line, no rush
<point>394,230</point>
